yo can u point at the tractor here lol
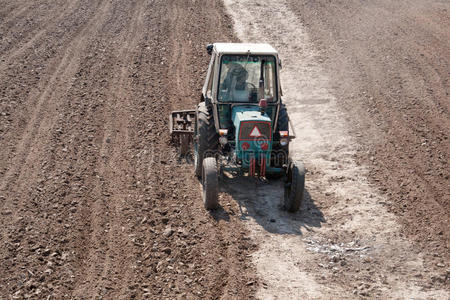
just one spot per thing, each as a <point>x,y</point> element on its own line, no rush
<point>240,125</point>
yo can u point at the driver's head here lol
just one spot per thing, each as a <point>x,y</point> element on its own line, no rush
<point>238,72</point>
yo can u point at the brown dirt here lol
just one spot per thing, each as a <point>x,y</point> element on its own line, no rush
<point>389,63</point>
<point>94,201</point>
<point>342,208</point>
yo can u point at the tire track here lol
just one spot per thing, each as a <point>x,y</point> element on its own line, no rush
<point>338,188</point>
<point>27,76</point>
<point>96,201</point>
<point>14,12</point>
<point>21,42</point>
<point>29,151</point>
<point>6,7</point>
<point>223,282</point>
<point>178,63</point>
<point>24,164</point>
<point>118,165</point>
<point>394,75</point>
<point>36,99</point>
<point>178,69</point>
<point>106,273</point>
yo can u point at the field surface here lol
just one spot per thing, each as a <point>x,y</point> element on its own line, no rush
<point>96,203</point>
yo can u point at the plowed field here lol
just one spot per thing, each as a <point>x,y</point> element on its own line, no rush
<point>96,203</point>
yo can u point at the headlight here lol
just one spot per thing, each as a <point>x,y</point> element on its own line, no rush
<point>223,132</point>
<point>284,134</point>
<point>223,140</point>
<point>284,142</point>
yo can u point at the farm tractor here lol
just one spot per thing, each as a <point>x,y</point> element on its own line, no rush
<point>240,125</point>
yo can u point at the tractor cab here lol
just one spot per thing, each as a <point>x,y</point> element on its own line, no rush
<point>243,91</point>
<point>241,74</point>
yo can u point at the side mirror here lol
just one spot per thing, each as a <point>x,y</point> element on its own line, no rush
<point>279,63</point>
<point>209,48</point>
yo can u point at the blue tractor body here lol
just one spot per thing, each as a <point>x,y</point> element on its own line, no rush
<point>253,135</point>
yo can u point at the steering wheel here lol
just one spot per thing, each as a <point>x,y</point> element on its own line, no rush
<point>253,92</point>
<point>252,86</point>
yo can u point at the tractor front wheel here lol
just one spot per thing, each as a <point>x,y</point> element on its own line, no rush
<point>210,183</point>
<point>294,186</point>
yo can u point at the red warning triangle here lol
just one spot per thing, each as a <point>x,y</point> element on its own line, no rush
<point>255,132</point>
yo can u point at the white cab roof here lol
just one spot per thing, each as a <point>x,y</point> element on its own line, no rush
<point>241,48</point>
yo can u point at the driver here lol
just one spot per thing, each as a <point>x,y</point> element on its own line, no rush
<point>235,83</point>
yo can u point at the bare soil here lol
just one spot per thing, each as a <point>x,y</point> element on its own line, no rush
<point>96,203</point>
<point>350,240</point>
<point>389,63</point>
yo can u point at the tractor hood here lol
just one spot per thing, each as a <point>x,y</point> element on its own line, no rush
<point>250,114</point>
<point>253,133</point>
<point>251,125</point>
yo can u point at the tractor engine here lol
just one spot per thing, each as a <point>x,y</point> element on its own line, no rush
<point>253,138</point>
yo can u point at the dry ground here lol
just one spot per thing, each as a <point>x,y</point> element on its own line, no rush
<point>95,202</point>
<point>93,199</point>
<point>376,219</point>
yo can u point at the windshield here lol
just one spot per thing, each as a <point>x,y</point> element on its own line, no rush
<point>240,76</point>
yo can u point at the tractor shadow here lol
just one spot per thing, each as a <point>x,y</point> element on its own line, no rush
<point>220,214</point>
<point>262,202</point>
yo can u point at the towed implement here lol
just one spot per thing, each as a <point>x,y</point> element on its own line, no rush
<point>240,125</point>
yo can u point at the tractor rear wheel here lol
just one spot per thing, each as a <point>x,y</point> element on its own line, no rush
<point>210,183</point>
<point>294,186</point>
<point>206,139</point>
<point>280,154</point>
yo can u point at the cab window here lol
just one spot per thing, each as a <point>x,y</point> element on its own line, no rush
<point>239,78</point>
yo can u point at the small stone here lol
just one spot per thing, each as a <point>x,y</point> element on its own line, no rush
<point>183,232</point>
<point>159,266</point>
<point>168,232</point>
<point>64,256</point>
